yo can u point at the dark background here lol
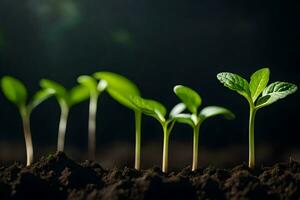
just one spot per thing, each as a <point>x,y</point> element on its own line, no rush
<point>157,44</point>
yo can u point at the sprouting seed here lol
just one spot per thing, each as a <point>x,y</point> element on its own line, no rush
<point>258,95</point>
<point>16,92</point>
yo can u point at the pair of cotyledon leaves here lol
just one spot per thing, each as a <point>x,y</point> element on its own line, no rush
<point>66,97</point>
<point>16,92</point>
<point>256,91</point>
<point>88,87</point>
<point>192,101</point>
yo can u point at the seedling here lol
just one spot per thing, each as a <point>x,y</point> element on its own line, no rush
<point>258,95</point>
<point>121,89</point>
<point>16,92</point>
<point>91,84</point>
<point>192,101</point>
<point>66,99</point>
<point>158,111</point>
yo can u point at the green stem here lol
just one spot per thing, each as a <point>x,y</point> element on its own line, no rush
<point>27,135</point>
<point>195,147</point>
<point>170,128</point>
<point>138,120</point>
<point>62,126</point>
<point>92,126</point>
<point>251,137</point>
<point>165,162</point>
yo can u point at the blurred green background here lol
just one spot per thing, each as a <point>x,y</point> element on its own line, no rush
<point>157,44</point>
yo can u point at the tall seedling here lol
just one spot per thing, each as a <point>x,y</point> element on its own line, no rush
<point>258,95</point>
<point>121,89</point>
<point>16,92</point>
<point>66,99</point>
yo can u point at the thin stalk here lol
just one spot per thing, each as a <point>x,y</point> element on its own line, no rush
<point>138,120</point>
<point>28,139</point>
<point>251,137</point>
<point>92,126</point>
<point>62,126</point>
<point>170,128</point>
<point>195,147</point>
<point>165,161</point>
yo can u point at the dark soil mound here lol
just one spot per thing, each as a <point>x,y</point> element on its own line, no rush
<point>58,177</point>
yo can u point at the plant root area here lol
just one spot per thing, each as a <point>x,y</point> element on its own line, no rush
<point>58,177</point>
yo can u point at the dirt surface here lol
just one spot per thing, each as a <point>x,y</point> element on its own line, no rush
<point>58,177</point>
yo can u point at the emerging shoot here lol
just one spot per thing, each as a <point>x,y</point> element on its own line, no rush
<point>121,89</point>
<point>16,92</point>
<point>66,99</point>
<point>258,95</point>
<point>192,101</point>
<point>91,84</point>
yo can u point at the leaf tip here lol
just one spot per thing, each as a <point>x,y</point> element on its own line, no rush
<point>176,87</point>
<point>220,76</point>
<point>230,116</point>
<point>81,78</point>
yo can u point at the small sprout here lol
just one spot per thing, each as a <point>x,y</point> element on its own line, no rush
<point>258,95</point>
<point>192,101</point>
<point>66,99</point>
<point>16,92</point>
<point>121,89</point>
<point>94,91</point>
<point>158,111</point>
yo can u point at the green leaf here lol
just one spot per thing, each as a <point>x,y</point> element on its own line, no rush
<point>39,97</point>
<point>123,98</point>
<point>119,88</point>
<point>189,97</point>
<point>78,94</point>
<point>14,90</point>
<point>74,96</point>
<point>150,107</point>
<point>118,82</point>
<point>89,82</point>
<point>212,111</point>
<point>184,118</point>
<point>177,109</point>
<point>60,91</point>
<point>258,82</point>
<point>236,83</point>
<point>274,92</point>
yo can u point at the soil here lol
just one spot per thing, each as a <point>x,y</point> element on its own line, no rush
<point>58,177</point>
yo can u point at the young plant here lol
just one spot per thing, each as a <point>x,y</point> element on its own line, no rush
<point>158,111</point>
<point>192,101</point>
<point>258,95</point>
<point>91,84</point>
<point>16,92</point>
<point>66,99</point>
<point>121,89</point>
